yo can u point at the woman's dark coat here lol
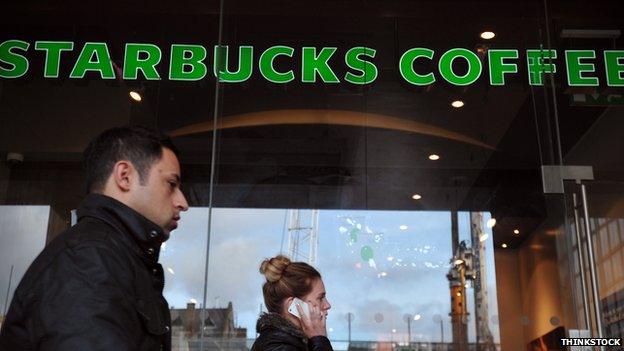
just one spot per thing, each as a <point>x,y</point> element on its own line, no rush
<point>278,334</point>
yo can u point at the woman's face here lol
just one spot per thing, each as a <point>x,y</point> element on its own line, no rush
<point>317,297</point>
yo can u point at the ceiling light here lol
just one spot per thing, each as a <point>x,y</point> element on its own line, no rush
<point>491,222</point>
<point>135,96</point>
<point>483,237</point>
<point>416,197</point>
<point>504,246</point>
<point>516,231</point>
<point>457,103</point>
<point>417,317</point>
<point>434,157</point>
<point>403,227</point>
<point>488,35</point>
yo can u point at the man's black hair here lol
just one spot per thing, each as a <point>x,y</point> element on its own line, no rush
<point>138,144</point>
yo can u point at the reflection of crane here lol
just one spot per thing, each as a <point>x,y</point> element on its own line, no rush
<point>469,264</point>
<point>302,239</point>
<point>485,340</point>
<point>461,269</point>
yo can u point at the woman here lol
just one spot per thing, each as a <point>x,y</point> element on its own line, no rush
<point>280,330</point>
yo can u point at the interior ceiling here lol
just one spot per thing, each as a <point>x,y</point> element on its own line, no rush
<point>323,165</point>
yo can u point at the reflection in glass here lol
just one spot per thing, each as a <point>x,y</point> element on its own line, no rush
<point>23,229</point>
<point>379,266</point>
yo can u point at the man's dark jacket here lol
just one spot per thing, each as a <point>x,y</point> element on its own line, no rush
<point>97,286</point>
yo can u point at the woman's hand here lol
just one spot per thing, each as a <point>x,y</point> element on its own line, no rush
<point>314,323</point>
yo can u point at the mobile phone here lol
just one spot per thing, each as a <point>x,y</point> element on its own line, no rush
<point>293,307</point>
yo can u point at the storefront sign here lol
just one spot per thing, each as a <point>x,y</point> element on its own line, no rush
<point>596,100</point>
<point>189,63</point>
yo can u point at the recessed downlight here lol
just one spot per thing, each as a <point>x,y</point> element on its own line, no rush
<point>457,103</point>
<point>516,231</point>
<point>434,157</point>
<point>491,223</point>
<point>487,35</point>
<point>416,197</point>
<point>135,96</point>
<point>504,246</point>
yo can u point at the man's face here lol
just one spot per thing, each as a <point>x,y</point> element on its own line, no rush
<point>160,199</point>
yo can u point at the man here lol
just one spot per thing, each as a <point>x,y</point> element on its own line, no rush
<point>98,285</point>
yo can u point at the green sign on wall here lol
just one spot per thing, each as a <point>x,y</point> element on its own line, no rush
<point>191,63</point>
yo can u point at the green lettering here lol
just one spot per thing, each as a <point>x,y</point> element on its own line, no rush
<point>406,66</point>
<point>498,67</point>
<point>537,67</point>
<point>191,56</point>
<point>53,51</point>
<point>614,66</point>
<point>368,71</point>
<point>18,63</point>
<point>133,63</point>
<point>266,64</point>
<point>575,68</point>
<point>446,66</point>
<point>311,64</point>
<point>245,64</point>
<point>86,62</point>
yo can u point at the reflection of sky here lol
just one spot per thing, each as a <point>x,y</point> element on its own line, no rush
<point>406,275</point>
<point>23,232</point>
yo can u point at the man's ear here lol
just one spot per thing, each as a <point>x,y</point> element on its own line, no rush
<point>123,171</point>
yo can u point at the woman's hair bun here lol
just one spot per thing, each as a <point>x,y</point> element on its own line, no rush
<point>273,268</point>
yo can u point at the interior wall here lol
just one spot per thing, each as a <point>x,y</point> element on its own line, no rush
<point>539,279</point>
<point>509,295</point>
<point>529,293</point>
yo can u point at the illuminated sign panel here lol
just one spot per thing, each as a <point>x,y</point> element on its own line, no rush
<point>189,62</point>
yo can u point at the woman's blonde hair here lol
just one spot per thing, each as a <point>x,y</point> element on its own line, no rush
<point>285,279</point>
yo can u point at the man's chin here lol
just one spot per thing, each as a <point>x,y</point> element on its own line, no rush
<point>166,234</point>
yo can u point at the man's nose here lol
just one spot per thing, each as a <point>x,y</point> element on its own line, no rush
<point>181,202</point>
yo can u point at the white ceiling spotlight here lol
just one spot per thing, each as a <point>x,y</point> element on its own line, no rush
<point>491,223</point>
<point>416,197</point>
<point>134,95</point>
<point>434,157</point>
<point>457,103</point>
<point>487,35</point>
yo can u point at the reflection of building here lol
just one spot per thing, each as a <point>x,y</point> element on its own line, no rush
<point>414,346</point>
<point>220,331</point>
<point>613,314</point>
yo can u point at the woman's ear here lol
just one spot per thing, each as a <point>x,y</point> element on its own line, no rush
<point>286,304</point>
